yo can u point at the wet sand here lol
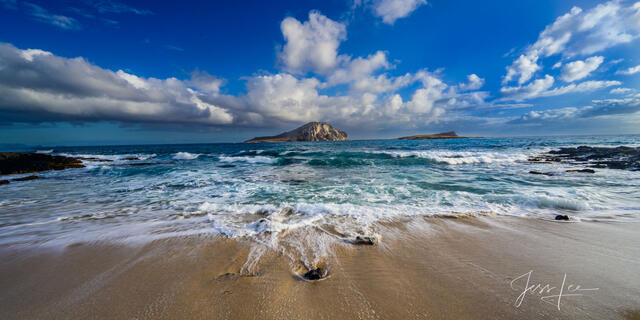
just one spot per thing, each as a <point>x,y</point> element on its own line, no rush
<point>431,268</point>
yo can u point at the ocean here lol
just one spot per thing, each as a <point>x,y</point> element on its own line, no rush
<point>259,191</point>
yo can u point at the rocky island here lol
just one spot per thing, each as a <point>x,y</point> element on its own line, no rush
<point>312,131</point>
<point>443,135</point>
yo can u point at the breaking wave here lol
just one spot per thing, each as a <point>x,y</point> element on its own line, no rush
<point>185,156</point>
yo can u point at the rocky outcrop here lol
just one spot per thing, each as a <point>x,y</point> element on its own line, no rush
<point>315,274</point>
<point>312,131</point>
<point>562,217</point>
<point>27,178</point>
<point>365,240</point>
<point>542,173</point>
<point>443,135</point>
<point>582,170</point>
<point>17,162</point>
<point>597,157</point>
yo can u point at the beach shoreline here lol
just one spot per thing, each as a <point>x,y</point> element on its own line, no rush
<point>423,268</point>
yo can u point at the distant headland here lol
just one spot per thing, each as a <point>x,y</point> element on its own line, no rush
<point>312,131</point>
<point>443,135</point>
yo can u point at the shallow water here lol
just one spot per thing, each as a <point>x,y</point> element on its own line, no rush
<point>246,190</point>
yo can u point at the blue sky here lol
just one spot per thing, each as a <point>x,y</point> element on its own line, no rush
<point>114,72</point>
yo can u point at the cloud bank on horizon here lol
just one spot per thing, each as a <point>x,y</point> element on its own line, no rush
<point>316,80</point>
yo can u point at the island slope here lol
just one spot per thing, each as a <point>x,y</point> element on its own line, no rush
<point>312,131</point>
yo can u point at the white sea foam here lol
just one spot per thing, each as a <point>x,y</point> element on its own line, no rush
<point>185,156</point>
<point>111,157</point>
<point>44,151</point>
<point>255,159</point>
<point>461,157</point>
<point>252,199</point>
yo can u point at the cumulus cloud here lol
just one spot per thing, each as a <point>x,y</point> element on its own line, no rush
<point>630,71</point>
<point>523,69</point>
<point>532,90</point>
<point>359,68</point>
<point>48,86</point>
<point>36,86</point>
<point>392,10</point>
<point>474,83</point>
<point>312,45</point>
<point>579,69</point>
<point>579,32</point>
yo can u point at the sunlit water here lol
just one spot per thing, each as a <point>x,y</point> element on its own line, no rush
<point>349,186</point>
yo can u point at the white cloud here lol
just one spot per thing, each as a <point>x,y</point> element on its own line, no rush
<point>579,69</point>
<point>523,69</point>
<point>551,114</point>
<point>312,45</point>
<point>579,32</point>
<point>532,90</point>
<point>581,87</point>
<point>359,68</point>
<point>598,108</point>
<point>630,71</point>
<point>620,90</point>
<point>541,88</point>
<point>52,87</point>
<point>392,10</point>
<point>284,97</point>
<point>474,83</point>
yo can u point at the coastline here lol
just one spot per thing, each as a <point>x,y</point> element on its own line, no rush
<point>422,268</point>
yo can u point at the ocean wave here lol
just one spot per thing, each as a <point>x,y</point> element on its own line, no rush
<point>44,151</point>
<point>254,159</point>
<point>462,157</point>
<point>109,157</point>
<point>561,203</point>
<point>185,156</point>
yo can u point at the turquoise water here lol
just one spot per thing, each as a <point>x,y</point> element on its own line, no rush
<point>350,186</point>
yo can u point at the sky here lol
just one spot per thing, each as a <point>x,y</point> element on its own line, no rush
<point>90,72</point>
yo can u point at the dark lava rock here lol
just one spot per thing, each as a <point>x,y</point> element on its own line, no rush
<point>4,182</point>
<point>583,171</point>
<point>27,178</point>
<point>131,158</point>
<point>17,162</point>
<point>364,240</point>
<point>613,158</point>
<point>315,274</point>
<point>94,159</point>
<point>562,217</point>
<point>542,173</point>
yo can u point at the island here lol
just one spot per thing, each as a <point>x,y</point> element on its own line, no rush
<point>312,131</point>
<point>443,135</point>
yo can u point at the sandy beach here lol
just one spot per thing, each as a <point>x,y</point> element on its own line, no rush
<point>426,268</point>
